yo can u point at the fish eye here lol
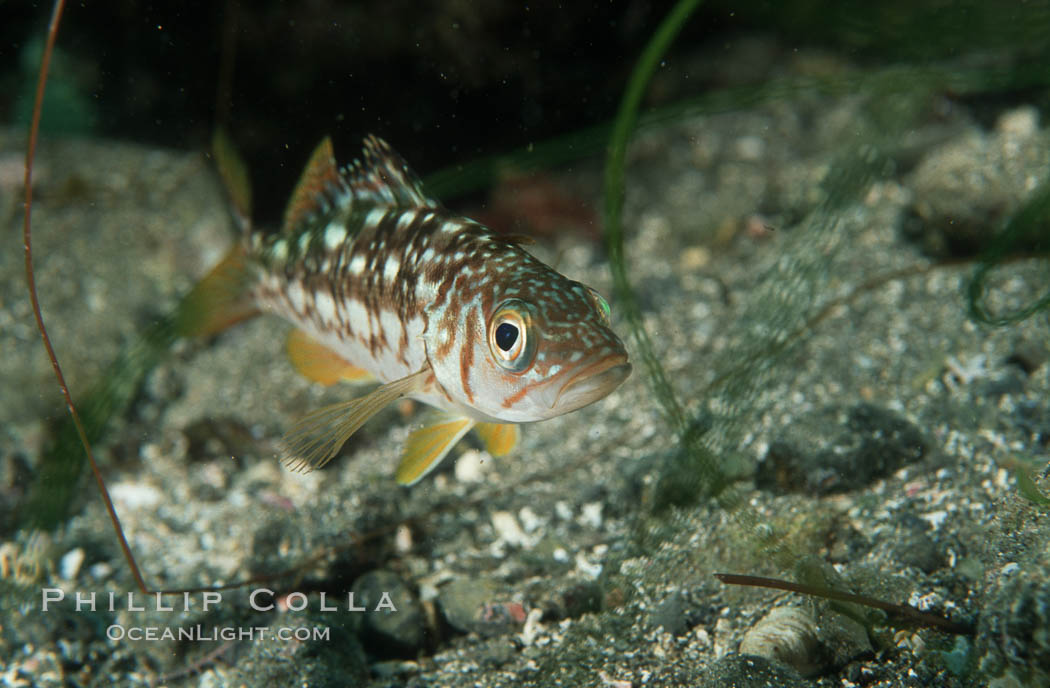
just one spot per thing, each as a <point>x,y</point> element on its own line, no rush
<point>506,336</point>
<point>510,340</point>
<point>602,305</point>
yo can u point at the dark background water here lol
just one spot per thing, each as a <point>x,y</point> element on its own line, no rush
<point>443,81</point>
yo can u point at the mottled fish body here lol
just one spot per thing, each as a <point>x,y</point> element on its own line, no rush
<point>383,282</point>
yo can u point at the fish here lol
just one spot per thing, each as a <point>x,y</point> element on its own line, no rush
<point>383,283</point>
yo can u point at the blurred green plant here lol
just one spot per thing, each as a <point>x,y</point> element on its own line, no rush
<point>906,29</point>
<point>68,109</point>
<point>55,485</point>
<point>1027,231</point>
<point>702,467</point>
<point>1029,490</point>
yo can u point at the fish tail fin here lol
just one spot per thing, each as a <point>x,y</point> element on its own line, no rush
<point>235,178</point>
<point>221,299</point>
<point>223,296</point>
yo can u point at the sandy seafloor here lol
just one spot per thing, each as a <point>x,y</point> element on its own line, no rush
<point>553,566</point>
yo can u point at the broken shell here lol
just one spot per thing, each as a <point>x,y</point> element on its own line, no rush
<point>788,635</point>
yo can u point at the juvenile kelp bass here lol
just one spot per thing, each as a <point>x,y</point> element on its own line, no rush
<point>383,282</point>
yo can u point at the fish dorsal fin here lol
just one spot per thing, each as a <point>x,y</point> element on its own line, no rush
<point>311,193</point>
<point>383,178</point>
<point>516,239</point>
<point>318,436</point>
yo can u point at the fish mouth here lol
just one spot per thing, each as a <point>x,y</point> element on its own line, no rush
<point>592,382</point>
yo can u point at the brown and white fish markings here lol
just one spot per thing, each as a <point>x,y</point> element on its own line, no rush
<point>382,281</point>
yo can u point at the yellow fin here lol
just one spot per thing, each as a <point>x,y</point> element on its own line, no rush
<point>317,436</point>
<point>428,445</point>
<point>219,300</point>
<point>499,438</point>
<point>319,174</point>
<point>234,174</point>
<point>317,362</point>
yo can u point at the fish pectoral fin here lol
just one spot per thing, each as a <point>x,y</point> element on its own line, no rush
<point>499,438</point>
<point>428,445</point>
<point>317,437</point>
<point>317,362</point>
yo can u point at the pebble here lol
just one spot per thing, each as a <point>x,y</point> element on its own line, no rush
<point>135,495</point>
<point>476,605</point>
<point>403,628</point>
<point>591,515</point>
<point>471,466</point>
<point>508,530</point>
<point>1013,632</point>
<point>70,564</point>
<point>670,614</point>
<point>965,189</point>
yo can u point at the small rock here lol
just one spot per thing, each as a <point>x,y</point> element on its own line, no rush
<point>670,614</point>
<point>404,628</point>
<point>920,551</point>
<point>1029,356</point>
<point>582,598</point>
<point>222,437</point>
<point>1034,418</point>
<point>591,515</point>
<point>967,188</point>
<point>337,660</point>
<point>70,564</point>
<point>1013,633</point>
<point>471,465</point>
<point>508,530</point>
<point>1010,381</point>
<point>477,606</point>
<point>825,452</point>
<point>135,496</point>
<point>843,639</point>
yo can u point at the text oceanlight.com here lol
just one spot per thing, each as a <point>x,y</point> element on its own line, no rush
<point>200,633</point>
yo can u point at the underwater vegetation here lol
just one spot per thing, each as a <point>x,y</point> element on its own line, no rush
<point>652,496</point>
<point>68,105</point>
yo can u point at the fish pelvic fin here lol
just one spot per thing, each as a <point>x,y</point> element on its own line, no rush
<point>428,445</point>
<point>499,438</point>
<point>317,437</point>
<point>221,299</point>
<point>316,362</point>
<point>316,182</point>
<point>235,178</point>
